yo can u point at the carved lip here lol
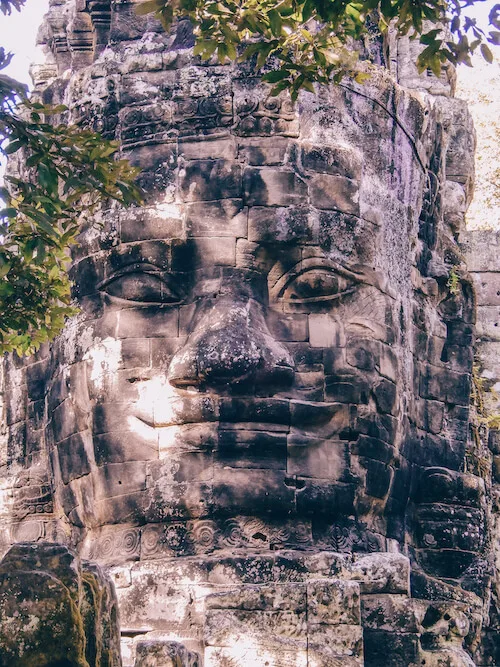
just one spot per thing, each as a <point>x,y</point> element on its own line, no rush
<point>252,413</point>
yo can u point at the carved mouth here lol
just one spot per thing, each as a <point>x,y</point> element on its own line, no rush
<point>240,413</point>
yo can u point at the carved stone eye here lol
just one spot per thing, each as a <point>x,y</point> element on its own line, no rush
<point>316,285</point>
<point>141,287</point>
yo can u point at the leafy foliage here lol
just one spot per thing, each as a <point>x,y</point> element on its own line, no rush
<point>319,40</point>
<point>6,6</point>
<point>65,173</point>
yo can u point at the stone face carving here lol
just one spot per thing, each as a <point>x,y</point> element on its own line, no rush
<point>269,379</point>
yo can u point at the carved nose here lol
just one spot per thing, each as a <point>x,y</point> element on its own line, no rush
<point>230,344</point>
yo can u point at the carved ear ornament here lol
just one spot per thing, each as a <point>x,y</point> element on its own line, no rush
<point>142,284</point>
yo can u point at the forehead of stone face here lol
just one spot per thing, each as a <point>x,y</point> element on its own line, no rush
<point>225,165</point>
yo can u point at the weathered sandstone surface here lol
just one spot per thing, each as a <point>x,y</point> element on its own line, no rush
<point>259,425</point>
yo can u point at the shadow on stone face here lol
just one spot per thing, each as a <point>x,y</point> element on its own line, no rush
<point>56,610</point>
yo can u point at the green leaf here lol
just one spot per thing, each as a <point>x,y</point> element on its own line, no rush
<point>9,212</point>
<point>275,22</point>
<point>41,252</point>
<point>282,85</point>
<point>307,85</point>
<point>430,37</point>
<point>231,51</point>
<point>276,75</point>
<point>148,7</point>
<point>14,146</point>
<point>486,53</point>
<point>308,10</point>
<point>4,267</point>
<point>29,249</point>
<point>494,37</point>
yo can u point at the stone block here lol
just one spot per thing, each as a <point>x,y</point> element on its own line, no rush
<point>64,421</point>
<point>75,454</point>
<point>237,570</point>
<point>382,573</point>
<point>164,221</point>
<point>324,331</point>
<point>210,149</point>
<point>445,385</point>
<point>180,468</point>
<point>242,656</point>
<point>337,160</point>
<point>259,410</point>
<point>309,383</point>
<point>487,286</point>
<point>324,498</point>
<point>385,395</point>
<point>433,450</point>
<point>314,457</point>
<point>390,649</point>
<point>86,275</point>
<point>207,180</point>
<point>226,217</point>
<point>332,642</point>
<point>378,477</point>
<point>488,323</point>
<point>285,630</point>
<point>183,500</point>
<point>251,449</point>
<point>163,349</point>
<point>15,408</point>
<point>363,354</point>
<point>374,448</point>
<point>252,490</point>
<point>334,192</point>
<point>271,187</point>
<point>318,419</point>
<point>108,417</point>
<point>431,415</point>
<point>123,445</point>
<point>347,236</point>
<point>214,251</point>
<point>54,609</point>
<point>166,606</point>
<point>259,153</point>
<point>151,653</point>
<point>333,602</point>
<point>148,322</point>
<point>135,353</point>
<point>390,613</point>
<point>347,388</point>
<point>305,357</point>
<point>321,657</point>
<point>36,380</point>
<point>383,427</point>
<point>281,225</point>
<point>287,327</point>
<point>116,479</point>
<point>263,597</point>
